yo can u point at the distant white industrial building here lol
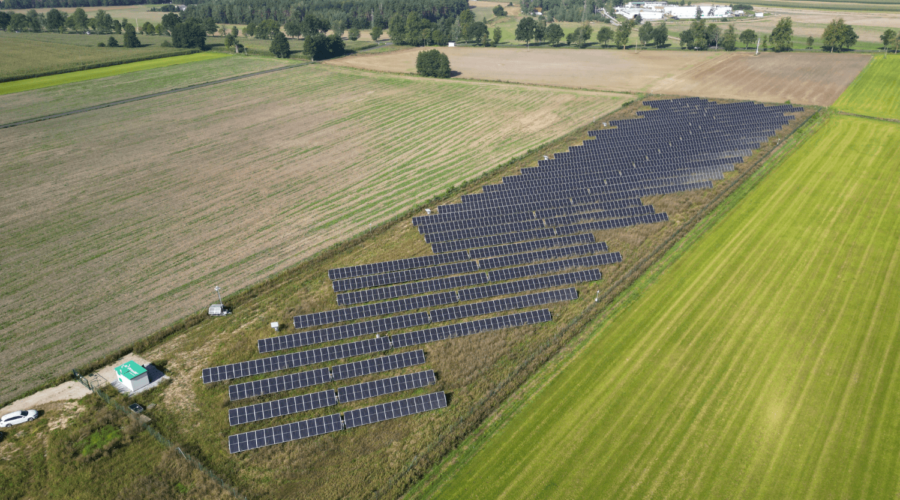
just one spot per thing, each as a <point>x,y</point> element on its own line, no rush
<point>662,10</point>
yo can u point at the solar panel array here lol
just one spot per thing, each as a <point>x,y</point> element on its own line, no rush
<point>537,222</point>
<point>381,387</point>
<point>394,409</point>
<point>558,265</point>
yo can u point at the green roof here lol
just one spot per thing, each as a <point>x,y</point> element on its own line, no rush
<point>130,370</point>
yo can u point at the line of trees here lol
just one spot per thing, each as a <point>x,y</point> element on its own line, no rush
<point>433,63</point>
<point>345,14</point>
<point>61,22</point>
<point>46,4</point>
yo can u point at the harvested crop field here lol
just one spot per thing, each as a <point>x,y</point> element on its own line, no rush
<point>590,69</point>
<point>762,363</point>
<point>117,222</point>
<point>801,78</point>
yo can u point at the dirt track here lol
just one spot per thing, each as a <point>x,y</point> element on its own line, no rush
<point>799,77</point>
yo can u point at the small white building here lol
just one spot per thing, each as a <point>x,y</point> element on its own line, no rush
<point>132,375</point>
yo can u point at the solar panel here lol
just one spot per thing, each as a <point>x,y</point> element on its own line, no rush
<point>341,332</point>
<point>530,246</point>
<point>470,328</point>
<point>294,360</point>
<point>367,311</point>
<point>499,305</point>
<point>283,433</point>
<point>394,409</point>
<point>281,407</point>
<point>279,384</point>
<point>377,365</point>
<point>396,265</point>
<point>381,387</point>
<point>404,276</point>
<point>549,267</point>
<point>554,253</point>
<point>511,287</point>
<point>416,288</point>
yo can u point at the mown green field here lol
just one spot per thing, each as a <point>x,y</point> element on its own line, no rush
<point>33,54</point>
<point>761,364</point>
<point>93,74</point>
<point>836,5</point>
<point>875,92</point>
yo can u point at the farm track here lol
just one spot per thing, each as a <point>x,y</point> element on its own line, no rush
<point>147,96</point>
<point>680,396</point>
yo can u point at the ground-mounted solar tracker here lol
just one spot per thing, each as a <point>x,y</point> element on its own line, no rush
<point>504,248</point>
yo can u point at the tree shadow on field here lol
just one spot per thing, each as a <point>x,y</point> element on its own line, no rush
<point>455,73</point>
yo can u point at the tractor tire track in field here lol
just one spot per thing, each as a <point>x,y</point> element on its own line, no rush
<point>147,96</point>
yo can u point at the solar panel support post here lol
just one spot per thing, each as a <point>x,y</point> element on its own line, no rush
<point>218,295</point>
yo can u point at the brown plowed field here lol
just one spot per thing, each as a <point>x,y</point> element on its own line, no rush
<point>590,69</point>
<point>116,222</point>
<point>801,78</point>
<point>797,77</point>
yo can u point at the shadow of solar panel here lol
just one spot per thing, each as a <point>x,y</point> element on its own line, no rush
<point>396,265</point>
<point>395,409</point>
<point>499,305</point>
<point>613,223</point>
<point>377,365</point>
<point>283,433</point>
<point>469,328</point>
<point>404,276</point>
<point>502,239</point>
<point>549,267</point>
<point>530,246</point>
<point>405,289</point>
<point>554,253</point>
<point>367,311</point>
<point>381,387</point>
<point>295,360</point>
<point>341,332</point>
<point>279,384</point>
<point>512,287</point>
<point>281,407</point>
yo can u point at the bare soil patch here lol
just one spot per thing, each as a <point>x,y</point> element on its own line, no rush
<point>798,77</point>
<point>117,222</point>
<point>589,69</point>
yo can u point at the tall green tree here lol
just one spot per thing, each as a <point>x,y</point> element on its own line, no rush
<point>661,35</point>
<point>112,42</point>
<point>117,26</point>
<point>189,34</point>
<point>810,41</point>
<point>554,33</point>
<point>604,35</point>
<point>498,34</point>
<point>4,20</point>
<point>729,39</point>
<point>55,20</point>
<point>234,32</point>
<point>525,30</point>
<point>131,39</point>
<point>280,46</point>
<point>713,35</point>
<point>886,38</point>
<point>645,33</point>
<point>498,11</point>
<point>169,21</point>
<point>782,35</point>
<point>353,34</point>
<point>375,33</point>
<point>433,63</point>
<point>839,34</point>
<point>78,20</point>
<point>623,32</point>
<point>747,37</point>
<point>293,27</point>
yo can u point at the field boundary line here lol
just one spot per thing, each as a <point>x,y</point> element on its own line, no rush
<point>667,252</point>
<point>147,96</point>
<point>890,120</point>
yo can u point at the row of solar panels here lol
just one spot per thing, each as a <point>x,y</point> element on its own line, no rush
<point>341,332</point>
<point>332,423</point>
<point>573,179</point>
<point>330,397</point>
<point>300,380</point>
<point>403,305</point>
<point>476,218</point>
<point>590,173</point>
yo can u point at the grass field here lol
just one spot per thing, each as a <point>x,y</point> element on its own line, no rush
<point>876,92</point>
<point>224,186</point>
<point>28,54</point>
<point>61,98</point>
<point>835,5</point>
<point>92,74</point>
<point>761,364</point>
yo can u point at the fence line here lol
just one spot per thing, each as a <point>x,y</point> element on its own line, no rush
<point>159,437</point>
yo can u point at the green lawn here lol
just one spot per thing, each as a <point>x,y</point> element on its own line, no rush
<point>876,91</point>
<point>35,54</point>
<point>761,364</point>
<point>92,74</point>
